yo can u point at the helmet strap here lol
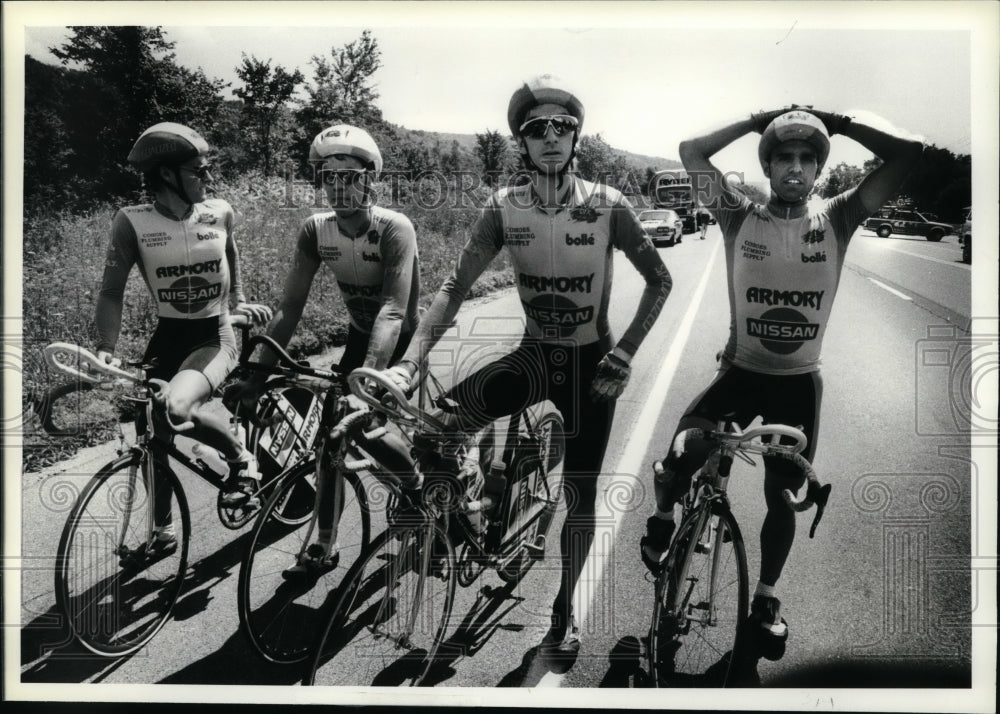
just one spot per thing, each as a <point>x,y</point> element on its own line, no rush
<point>177,188</point>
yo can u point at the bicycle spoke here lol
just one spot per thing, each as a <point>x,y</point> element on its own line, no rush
<point>280,616</point>
<point>697,624</point>
<point>115,593</point>
<point>391,619</point>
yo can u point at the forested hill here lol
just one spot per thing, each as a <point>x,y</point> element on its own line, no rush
<point>80,124</point>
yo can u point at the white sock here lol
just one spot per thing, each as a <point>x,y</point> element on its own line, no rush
<point>664,515</point>
<point>765,590</point>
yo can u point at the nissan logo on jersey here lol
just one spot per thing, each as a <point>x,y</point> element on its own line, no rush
<point>190,295</point>
<point>782,330</point>
<point>559,312</point>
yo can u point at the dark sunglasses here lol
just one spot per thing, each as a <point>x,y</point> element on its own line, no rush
<point>346,177</point>
<point>561,124</point>
<point>201,172</point>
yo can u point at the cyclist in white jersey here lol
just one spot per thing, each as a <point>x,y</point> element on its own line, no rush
<point>559,232</point>
<point>783,262</point>
<point>372,252</point>
<point>184,247</point>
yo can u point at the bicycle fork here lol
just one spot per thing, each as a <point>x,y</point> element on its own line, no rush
<point>421,547</point>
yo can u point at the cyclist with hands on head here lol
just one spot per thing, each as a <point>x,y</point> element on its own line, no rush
<point>559,232</point>
<point>784,261</point>
<point>372,252</point>
<point>184,246</point>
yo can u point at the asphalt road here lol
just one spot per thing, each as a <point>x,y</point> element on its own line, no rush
<point>880,598</point>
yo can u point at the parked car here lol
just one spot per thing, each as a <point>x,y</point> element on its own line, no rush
<point>905,221</point>
<point>663,226</point>
<point>965,239</point>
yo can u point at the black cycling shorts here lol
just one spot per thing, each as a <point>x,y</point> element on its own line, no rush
<point>532,373</point>
<point>739,395</point>
<point>207,345</point>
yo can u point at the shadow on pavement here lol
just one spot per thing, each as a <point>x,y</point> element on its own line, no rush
<point>49,652</point>
<point>625,668</point>
<point>482,621</point>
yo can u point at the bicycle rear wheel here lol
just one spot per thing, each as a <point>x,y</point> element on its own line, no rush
<point>532,498</point>
<point>114,586</point>
<point>280,617</point>
<point>701,604</point>
<point>392,614</point>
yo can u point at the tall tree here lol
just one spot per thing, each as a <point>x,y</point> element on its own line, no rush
<point>265,93</point>
<point>137,83</point>
<point>839,179</point>
<point>493,151</point>
<point>342,92</point>
<point>597,161</point>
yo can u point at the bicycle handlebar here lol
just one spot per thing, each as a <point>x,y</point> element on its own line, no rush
<point>393,403</point>
<point>286,363</point>
<point>816,493</point>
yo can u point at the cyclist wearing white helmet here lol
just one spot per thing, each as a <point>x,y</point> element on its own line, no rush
<point>372,253</point>
<point>783,261</point>
<point>559,231</point>
<point>184,246</point>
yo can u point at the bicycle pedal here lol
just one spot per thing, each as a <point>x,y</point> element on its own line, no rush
<point>536,549</point>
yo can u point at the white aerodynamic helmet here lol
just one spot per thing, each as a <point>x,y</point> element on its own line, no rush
<point>347,140</point>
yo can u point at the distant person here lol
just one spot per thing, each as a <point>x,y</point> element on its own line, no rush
<point>372,253</point>
<point>784,261</point>
<point>183,244</point>
<point>559,232</point>
<point>703,218</point>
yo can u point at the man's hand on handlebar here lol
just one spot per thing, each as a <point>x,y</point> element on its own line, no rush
<point>258,314</point>
<point>246,391</point>
<point>401,376</point>
<point>108,358</point>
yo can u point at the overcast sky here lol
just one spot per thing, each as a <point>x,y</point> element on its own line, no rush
<point>650,74</point>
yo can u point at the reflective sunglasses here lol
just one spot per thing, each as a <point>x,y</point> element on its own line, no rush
<point>201,172</point>
<point>561,124</point>
<point>346,177</point>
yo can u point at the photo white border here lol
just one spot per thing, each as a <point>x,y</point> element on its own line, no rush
<point>980,19</point>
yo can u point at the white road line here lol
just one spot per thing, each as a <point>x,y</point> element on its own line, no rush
<point>630,464</point>
<point>897,249</point>
<point>891,290</point>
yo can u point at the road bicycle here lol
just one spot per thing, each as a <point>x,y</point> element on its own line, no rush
<point>115,581</point>
<point>392,611</point>
<point>698,629</point>
<point>278,615</point>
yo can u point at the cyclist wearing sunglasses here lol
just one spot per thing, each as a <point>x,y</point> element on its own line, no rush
<point>184,246</point>
<point>559,231</point>
<point>372,253</point>
<point>784,261</point>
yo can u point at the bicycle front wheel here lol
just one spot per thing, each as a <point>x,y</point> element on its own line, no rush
<point>280,617</point>
<point>532,498</point>
<point>392,614</point>
<point>701,604</point>
<point>115,583</point>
